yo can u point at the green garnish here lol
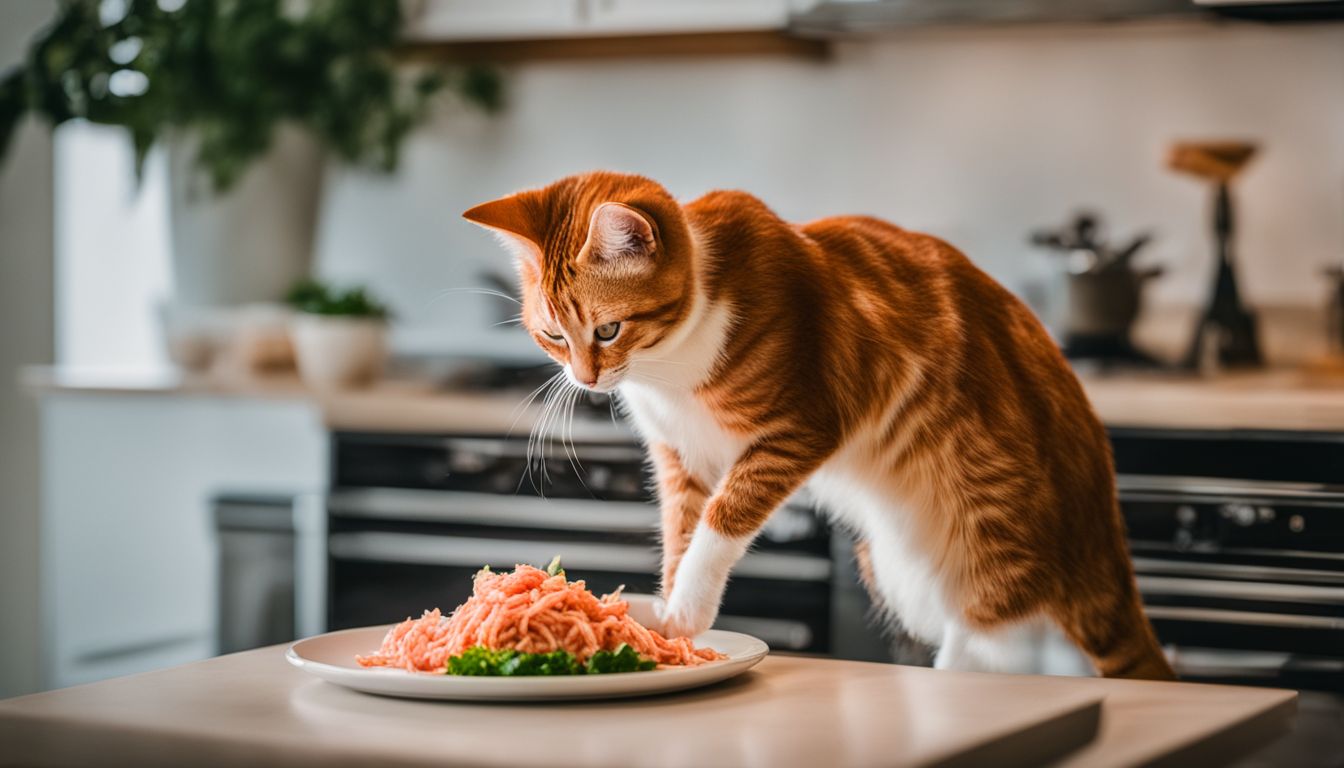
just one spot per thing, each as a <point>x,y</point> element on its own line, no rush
<point>554,569</point>
<point>623,659</point>
<point>479,661</point>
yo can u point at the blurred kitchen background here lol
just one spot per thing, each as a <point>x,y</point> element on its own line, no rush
<point>201,452</point>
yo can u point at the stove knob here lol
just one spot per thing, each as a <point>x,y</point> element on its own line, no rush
<point>1242,514</point>
<point>1186,515</point>
<point>1183,540</point>
<point>599,478</point>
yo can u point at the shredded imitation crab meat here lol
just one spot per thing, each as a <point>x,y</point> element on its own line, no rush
<point>529,610</point>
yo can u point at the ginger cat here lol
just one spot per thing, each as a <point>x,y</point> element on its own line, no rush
<point>919,402</point>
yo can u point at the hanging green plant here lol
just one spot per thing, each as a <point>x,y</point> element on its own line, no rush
<point>229,72</point>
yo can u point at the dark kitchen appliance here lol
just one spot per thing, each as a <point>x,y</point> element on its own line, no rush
<point>1226,332</point>
<point>257,545</point>
<point>1277,10</point>
<point>1238,542</point>
<point>1105,291</point>
<point>411,517</point>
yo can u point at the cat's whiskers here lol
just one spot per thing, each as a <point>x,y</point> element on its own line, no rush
<point>444,293</point>
<point>645,375</point>
<point>521,408</point>
<point>573,450</point>
<point>536,436</point>
<point>553,422</point>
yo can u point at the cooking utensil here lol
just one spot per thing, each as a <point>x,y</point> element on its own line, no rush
<point>1226,324</point>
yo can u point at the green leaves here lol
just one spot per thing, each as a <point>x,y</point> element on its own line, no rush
<point>623,659</point>
<point>231,72</point>
<point>317,298</point>
<point>480,661</point>
<point>483,662</point>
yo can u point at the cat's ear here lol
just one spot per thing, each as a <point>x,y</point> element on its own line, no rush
<point>619,235</point>
<point>511,219</point>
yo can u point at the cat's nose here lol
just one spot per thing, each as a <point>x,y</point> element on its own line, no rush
<point>584,374</point>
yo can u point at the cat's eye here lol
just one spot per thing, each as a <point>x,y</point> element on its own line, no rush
<point>607,331</point>
<point>557,338</point>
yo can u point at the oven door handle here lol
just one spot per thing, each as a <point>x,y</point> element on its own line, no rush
<point>1243,618</point>
<point>1179,488</point>
<point>1240,590</point>
<point>494,509</point>
<point>1235,572</point>
<point>466,552</point>
<point>520,449</point>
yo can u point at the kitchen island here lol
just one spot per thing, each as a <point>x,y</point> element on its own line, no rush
<point>252,708</point>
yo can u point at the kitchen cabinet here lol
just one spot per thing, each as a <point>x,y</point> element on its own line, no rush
<point>128,554</point>
<point>472,20</point>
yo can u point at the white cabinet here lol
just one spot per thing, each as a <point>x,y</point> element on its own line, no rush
<point>128,553</point>
<point>449,20</point>
<point>636,17</point>
<point>464,20</point>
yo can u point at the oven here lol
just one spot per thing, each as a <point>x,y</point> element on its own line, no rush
<point>1238,545</point>
<point>412,517</point>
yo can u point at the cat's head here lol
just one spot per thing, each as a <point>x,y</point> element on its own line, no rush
<point>605,265</point>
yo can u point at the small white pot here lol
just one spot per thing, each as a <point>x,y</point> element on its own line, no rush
<point>336,352</point>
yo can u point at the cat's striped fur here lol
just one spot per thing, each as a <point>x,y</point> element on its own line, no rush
<point>916,398</point>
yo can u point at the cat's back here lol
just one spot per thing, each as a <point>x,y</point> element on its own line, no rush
<point>867,242</point>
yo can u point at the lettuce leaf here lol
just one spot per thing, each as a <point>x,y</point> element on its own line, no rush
<point>623,659</point>
<point>479,661</point>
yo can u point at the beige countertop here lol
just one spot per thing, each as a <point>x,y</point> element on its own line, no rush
<point>1287,399</point>
<point>393,405</point>
<point>253,708</point>
<point>1272,399</point>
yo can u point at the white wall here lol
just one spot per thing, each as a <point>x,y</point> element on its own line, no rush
<point>26,336</point>
<point>975,135</point>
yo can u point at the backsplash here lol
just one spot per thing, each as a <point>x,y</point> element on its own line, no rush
<point>977,136</point>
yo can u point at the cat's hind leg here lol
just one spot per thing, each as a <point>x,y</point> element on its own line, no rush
<point>1010,648</point>
<point>952,652</point>
<point>1026,647</point>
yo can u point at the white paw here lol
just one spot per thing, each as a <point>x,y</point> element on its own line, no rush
<point>685,618</point>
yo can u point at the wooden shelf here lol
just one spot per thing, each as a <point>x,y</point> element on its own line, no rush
<point>756,43</point>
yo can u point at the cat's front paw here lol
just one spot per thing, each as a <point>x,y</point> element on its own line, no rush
<point>685,618</point>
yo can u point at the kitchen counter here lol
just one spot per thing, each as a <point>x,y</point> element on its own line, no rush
<point>253,708</point>
<point>1268,400</point>
<point>392,405</point>
<point>1274,399</point>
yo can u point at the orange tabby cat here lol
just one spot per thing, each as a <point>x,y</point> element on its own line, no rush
<point>918,401</point>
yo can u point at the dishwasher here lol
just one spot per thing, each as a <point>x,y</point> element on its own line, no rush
<point>271,575</point>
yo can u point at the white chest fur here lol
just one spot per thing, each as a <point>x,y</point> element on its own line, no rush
<point>659,393</point>
<point>683,422</point>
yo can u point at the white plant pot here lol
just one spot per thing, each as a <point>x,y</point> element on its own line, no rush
<point>253,242</point>
<point>339,352</point>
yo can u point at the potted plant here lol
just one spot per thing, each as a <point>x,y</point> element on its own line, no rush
<point>339,336</point>
<point>248,98</point>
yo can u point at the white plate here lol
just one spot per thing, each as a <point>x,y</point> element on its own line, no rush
<point>332,658</point>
